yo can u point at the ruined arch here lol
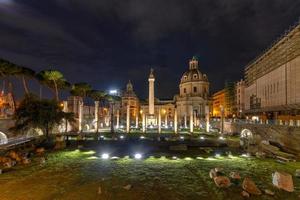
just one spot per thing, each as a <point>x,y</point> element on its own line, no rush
<point>3,138</point>
<point>246,133</point>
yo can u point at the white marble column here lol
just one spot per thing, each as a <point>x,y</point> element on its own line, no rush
<point>166,119</point>
<point>207,118</point>
<point>175,121</point>
<point>136,120</point>
<point>80,113</point>
<point>191,119</point>
<point>65,108</point>
<point>159,120</point>
<point>185,121</point>
<point>144,122</point>
<point>118,119</point>
<point>96,116</point>
<point>128,118</point>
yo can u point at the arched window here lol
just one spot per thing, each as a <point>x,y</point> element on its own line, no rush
<point>184,90</point>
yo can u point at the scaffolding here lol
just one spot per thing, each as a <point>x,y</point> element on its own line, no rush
<point>283,50</point>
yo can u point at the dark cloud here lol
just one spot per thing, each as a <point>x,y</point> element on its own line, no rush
<point>107,42</point>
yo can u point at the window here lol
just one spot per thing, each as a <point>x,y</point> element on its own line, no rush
<point>185,77</point>
<point>277,86</point>
<point>184,90</point>
<point>195,89</point>
<point>195,76</point>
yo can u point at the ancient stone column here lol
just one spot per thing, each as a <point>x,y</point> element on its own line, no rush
<point>151,92</point>
<point>137,120</point>
<point>96,116</point>
<point>144,122</point>
<point>159,120</point>
<point>191,119</point>
<point>128,118</point>
<point>207,118</point>
<point>80,113</point>
<point>175,121</point>
<point>118,119</point>
<point>166,119</point>
<point>222,119</point>
<point>185,121</point>
<point>65,108</point>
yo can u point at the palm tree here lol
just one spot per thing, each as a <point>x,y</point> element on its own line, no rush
<point>54,80</point>
<point>81,89</point>
<point>44,114</point>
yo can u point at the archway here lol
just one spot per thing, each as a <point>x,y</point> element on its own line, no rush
<point>246,133</point>
<point>3,138</point>
<point>246,138</point>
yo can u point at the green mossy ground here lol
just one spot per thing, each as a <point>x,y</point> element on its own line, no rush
<point>78,174</point>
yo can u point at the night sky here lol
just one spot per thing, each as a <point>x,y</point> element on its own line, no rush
<point>107,42</point>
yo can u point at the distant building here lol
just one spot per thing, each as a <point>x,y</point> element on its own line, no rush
<point>272,81</point>
<point>240,97</point>
<point>129,98</point>
<point>218,103</point>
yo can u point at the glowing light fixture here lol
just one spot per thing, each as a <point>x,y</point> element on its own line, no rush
<point>142,137</point>
<point>202,138</point>
<point>105,156</point>
<point>181,137</point>
<point>121,137</point>
<point>137,156</point>
<point>221,138</point>
<point>113,91</point>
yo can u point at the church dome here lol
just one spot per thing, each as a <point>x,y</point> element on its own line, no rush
<point>193,74</point>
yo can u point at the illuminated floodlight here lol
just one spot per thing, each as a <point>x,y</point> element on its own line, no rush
<point>174,158</point>
<point>151,126</point>
<point>142,137</point>
<point>221,138</point>
<point>105,156</point>
<point>202,138</point>
<point>181,137</point>
<point>121,137</point>
<point>137,156</point>
<point>102,136</point>
<point>121,126</point>
<point>113,91</point>
<point>245,155</point>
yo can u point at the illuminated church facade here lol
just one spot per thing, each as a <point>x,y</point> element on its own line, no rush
<point>186,110</point>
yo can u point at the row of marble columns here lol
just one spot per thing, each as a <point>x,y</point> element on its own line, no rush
<point>144,120</point>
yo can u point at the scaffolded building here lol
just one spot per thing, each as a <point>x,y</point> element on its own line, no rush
<point>273,80</point>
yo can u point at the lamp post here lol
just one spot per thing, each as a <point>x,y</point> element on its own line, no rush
<point>222,119</point>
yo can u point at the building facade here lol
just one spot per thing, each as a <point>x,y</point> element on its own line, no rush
<point>272,81</point>
<point>218,103</point>
<point>240,98</point>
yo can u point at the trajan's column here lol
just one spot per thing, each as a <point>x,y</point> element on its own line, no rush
<point>151,119</point>
<point>151,92</point>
